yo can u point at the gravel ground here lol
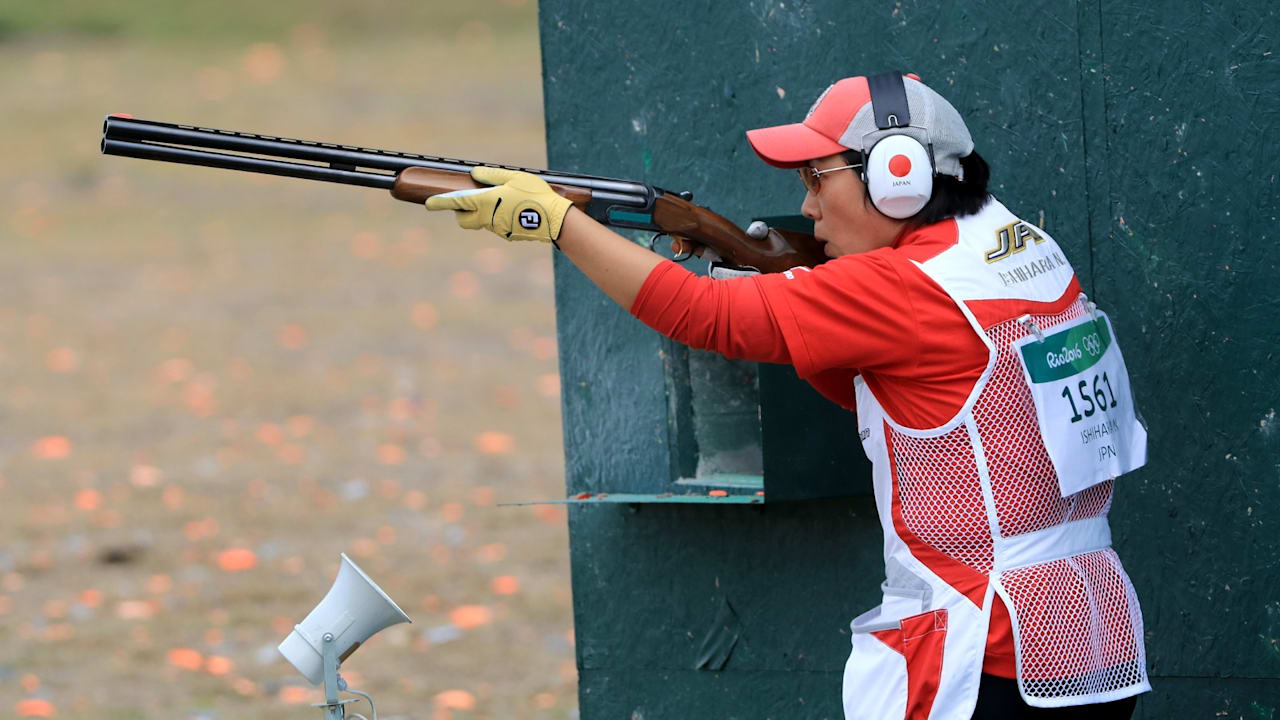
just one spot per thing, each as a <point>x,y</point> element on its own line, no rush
<point>217,382</point>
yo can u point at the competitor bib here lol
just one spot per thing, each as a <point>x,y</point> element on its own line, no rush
<point>1083,402</point>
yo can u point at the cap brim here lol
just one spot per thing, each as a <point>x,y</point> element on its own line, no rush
<point>790,146</point>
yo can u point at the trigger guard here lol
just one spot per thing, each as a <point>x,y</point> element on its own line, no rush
<point>653,241</point>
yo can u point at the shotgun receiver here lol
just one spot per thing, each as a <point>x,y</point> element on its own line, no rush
<point>413,178</point>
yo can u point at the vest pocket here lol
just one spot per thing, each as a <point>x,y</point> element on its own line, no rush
<point>896,667</point>
<point>1079,632</point>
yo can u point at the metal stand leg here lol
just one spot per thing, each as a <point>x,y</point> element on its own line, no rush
<point>333,708</point>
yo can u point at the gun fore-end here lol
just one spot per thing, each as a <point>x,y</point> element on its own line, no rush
<point>416,184</point>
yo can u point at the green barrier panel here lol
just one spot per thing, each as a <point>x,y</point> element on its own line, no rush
<point>1139,136</point>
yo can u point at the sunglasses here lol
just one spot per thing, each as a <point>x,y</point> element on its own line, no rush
<point>811,177</point>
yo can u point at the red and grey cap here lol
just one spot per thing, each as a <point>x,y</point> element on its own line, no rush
<point>843,119</point>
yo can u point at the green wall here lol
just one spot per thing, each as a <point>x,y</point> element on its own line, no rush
<point>1142,135</point>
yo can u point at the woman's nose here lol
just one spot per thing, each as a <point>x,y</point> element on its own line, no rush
<point>809,208</point>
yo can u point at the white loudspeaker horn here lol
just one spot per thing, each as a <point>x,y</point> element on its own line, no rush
<point>354,610</point>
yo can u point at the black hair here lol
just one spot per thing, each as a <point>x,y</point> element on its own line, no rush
<point>951,197</point>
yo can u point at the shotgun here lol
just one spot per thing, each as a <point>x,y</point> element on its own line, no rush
<point>624,204</point>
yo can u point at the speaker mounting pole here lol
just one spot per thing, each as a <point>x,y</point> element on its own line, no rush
<point>333,683</point>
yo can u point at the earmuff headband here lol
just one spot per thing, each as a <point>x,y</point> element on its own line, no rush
<point>889,100</point>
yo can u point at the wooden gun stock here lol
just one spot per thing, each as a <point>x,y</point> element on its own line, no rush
<point>777,251</point>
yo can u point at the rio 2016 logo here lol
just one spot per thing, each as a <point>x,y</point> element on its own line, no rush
<point>1092,344</point>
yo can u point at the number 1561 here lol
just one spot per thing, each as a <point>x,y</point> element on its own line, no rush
<point>1092,402</point>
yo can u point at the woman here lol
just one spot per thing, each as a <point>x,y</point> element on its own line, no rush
<point>991,397</point>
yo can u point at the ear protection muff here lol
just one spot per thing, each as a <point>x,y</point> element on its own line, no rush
<point>897,169</point>
<point>899,176</point>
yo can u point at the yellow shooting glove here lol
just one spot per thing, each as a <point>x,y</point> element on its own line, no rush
<point>522,206</point>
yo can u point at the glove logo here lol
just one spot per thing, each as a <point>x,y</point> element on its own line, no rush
<point>530,219</point>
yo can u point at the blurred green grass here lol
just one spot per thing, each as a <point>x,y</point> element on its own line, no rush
<point>197,361</point>
<point>207,23</point>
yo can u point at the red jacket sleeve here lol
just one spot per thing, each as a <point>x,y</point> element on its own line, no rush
<point>727,316</point>
<point>828,324</point>
<point>874,314</point>
<point>852,312</point>
<point>857,314</point>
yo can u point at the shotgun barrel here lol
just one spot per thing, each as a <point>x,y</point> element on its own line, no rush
<point>187,144</point>
<point>413,177</point>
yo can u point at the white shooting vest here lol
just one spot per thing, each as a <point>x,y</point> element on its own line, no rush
<point>973,507</point>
